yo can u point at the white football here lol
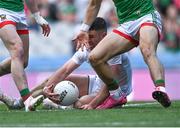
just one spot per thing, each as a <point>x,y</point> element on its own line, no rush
<point>68,92</point>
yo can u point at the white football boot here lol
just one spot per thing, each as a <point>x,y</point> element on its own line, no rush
<point>31,103</point>
<point>5,99</point>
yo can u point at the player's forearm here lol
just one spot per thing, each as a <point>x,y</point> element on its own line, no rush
<point>40,86</point>
<point>37,93</point>
<point>58,76</point>
<point>62,73</point>
<point>32,5</point>
<point>92,11</point>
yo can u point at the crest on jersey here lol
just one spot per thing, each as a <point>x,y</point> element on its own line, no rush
<point>2,17</point>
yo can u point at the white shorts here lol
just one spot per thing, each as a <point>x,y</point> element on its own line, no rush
<point>16,18</point>
<point>127,87</point>
<point>95,84</point>
<point>130,30</point>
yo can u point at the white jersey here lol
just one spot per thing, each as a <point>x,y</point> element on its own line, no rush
<point>123,73</point>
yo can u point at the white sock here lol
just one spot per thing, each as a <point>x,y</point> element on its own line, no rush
<point>26,102</point>
<point>118,93</point>
<point>160,88</point>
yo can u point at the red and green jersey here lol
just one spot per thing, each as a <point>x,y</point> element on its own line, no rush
<point>13,5</point>
<point>128,10</point>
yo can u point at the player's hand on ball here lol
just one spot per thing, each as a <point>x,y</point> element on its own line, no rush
<point>81,40</point>
<point>43,23</point>
<point>48,92</point>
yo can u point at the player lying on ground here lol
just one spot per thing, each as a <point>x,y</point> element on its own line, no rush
<point>15,36</point>
<point>89,85</point>
<point>140,24</point>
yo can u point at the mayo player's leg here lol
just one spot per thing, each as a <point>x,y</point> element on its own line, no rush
<point>5,65</point>
<point>110,46</point>
<point>13,103</point>
<point>119,96</point>
<point>14,44</point>
<point>24,35</point>
<point>148,45</point>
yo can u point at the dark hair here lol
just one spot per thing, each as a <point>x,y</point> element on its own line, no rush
<point>99,24</point>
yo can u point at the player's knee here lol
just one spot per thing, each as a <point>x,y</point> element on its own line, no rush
<point>147,54</point>
<point>94,60</point>
<point>17,51</point>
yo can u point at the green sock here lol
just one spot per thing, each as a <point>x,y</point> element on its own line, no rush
<point>113,85</point>
<point>160,83</point>
<point>24,92</point>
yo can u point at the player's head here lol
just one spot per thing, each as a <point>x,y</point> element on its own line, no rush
<point>97,32</point>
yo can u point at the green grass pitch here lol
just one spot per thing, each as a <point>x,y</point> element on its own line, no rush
<point>133,114</point>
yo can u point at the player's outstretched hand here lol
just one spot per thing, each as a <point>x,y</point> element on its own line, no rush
<point>43,23</point>
<point>48,92</point>
<point>81,40</point>
<point>86,107</point>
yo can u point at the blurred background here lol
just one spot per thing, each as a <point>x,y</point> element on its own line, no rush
<point>65,17</point>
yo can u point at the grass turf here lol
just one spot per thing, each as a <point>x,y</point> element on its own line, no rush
<point>134,114</point>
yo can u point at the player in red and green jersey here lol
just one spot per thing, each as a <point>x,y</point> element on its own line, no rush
<point>15,36</point>
<point>140,24</point>
<point>13,5</point>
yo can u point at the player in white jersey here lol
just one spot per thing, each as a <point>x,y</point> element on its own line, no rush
<point>90,85</point>
<point>15,36</point>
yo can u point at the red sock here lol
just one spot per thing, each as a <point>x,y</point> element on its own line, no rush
<point>25,93</point>
<point>25,97</point>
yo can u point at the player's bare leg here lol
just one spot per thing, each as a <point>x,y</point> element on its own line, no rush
<point>14,44</point>
<point>5,65</point>
<point>148,45</point>
<point>110,46</point>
